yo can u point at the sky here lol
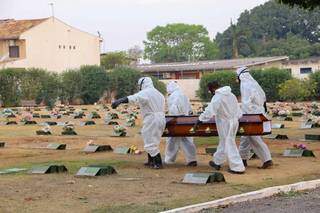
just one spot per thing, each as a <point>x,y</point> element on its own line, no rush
<point>125,23</point>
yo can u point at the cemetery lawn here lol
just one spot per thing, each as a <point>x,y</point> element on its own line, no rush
<point>135,188</point>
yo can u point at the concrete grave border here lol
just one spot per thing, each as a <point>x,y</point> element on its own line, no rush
<point>250,196</point>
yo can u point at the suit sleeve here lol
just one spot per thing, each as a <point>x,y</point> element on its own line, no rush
<point>138,98</point>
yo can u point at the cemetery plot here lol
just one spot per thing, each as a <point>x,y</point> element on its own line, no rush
<point>96,170</point>
<point>57,146</point>
<point>203,178</point>
<point>97,148</point>
<point>48,169</point>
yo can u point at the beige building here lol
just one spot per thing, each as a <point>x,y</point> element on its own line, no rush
<point>188,74</point>
<point>46,43</point>
<point>302,68</point>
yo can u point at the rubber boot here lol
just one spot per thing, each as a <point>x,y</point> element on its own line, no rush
<point>157,162</point>
<point>266,165</point>
<point>149,163</point>
<point>215,166</point>
<point>245,163</point>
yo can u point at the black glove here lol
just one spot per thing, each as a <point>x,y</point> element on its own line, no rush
<point>191,113</point>
<point>116,103</point>
<point>198,122</point>
<point>265,107</point>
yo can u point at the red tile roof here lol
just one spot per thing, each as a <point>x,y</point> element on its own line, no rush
<point>12,29</point>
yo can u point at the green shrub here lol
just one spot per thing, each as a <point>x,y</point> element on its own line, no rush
<point>270,79</point>
<point>315,78</point>
<point>226,78</point>
<point>94,81</point>
<point>296,90</point>
<point>10,80</point>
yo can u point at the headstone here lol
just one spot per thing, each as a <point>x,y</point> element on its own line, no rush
<point>51,123</point>
<point>12,170</point>
<point>112,123</point>
<point>11,123</point>
<point>277,126</point>
<point>96,170</point>
<point>278,137</point>
<point>297,114</point>
<point>211,150</point>
<point>203,178</point>
<point>288,119</point>
<point>2,144</point>
<point>45,116</point>
<point>57,146</point>
<point>36,115</point>
<point>306,125</point>
<point>30,122</point>
<point>293,153</point>
<point>308,153</point>
<point>122,150</point>
<point>97,148</point>
<point>48,169</point>
<point>89,123</point>
<point>41,132</point>
<point>312,137</point>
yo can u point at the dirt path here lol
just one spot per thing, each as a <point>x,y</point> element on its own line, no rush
<point>293,202</point>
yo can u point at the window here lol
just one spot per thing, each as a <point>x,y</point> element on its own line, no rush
<point>14,52</point>
<point>74,47</point>
<point>70,47</point>
<point>64,47</point>
<point>59,46</point>
<point>305,70</point>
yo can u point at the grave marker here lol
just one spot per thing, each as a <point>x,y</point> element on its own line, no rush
<point>211,150</point>
<point>306,125</point>
<point>96,170</point>
<point>122,150</point>
<point>57,146</point>
<point>312,137</point>
<point>48,169</point>
<point>203,178</point>
<point>277,126</point>
<point>293,153</point>
<point>2,144</point>
<point>97,148</point>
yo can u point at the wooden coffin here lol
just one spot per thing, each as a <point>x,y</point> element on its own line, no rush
<point>182,126</point>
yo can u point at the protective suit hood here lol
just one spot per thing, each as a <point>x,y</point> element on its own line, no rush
<point>145,82</point>
<point>224,90</point>
<point>172,87</point>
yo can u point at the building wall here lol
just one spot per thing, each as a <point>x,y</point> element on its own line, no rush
<point>296,67</point>
<point>55,46</point>
<point>188,86</point>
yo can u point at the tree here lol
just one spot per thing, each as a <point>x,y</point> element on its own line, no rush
<point>315,78</point>
<point>270,79</point>
<point>296,90</point>
<point>135,53</point>
<point>71,83</point>
<point>94,82</point>
<point>10,90</point>
<point>272,29</point>
<point>179,42</point>
<point>113,59</point>
<point>225,78</point>
<point>306,4</point>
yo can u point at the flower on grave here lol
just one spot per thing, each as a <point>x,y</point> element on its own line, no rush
<point>26,117</point>
<point>7,112</point>
<point>46,129</point>
<point>300,146</point>
<point>68,126</point>
<point>131,122</point>
<point>119,130</point>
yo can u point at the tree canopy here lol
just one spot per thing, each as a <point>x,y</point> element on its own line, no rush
<point>272,29</point>
<point>306,4</point>
<point>112,59</point>
<point>179,42</point>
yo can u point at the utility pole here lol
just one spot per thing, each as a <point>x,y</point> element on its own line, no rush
<point>52,9</point>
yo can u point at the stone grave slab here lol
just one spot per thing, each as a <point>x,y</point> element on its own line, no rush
<point>288,119</point>
<point>278,137</point>
<point>47,169</point>
<point>95,170</point>
<point>306,126</point>
<point>277,126</point>
<point>30,123</point>
<point>122,150</point>
<point>312,137</point>
<point>51,123</point>
<point>293,153</point>
<point>97,148</point>
<point>2,144</point>
<point>45,116</point>
<point>297,114</point>
<point>12,170</point>
<point>57,146</point>
<point>203,178</point>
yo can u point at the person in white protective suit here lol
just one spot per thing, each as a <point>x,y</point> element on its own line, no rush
<point>253,101</point>
<point>225,107</point>
<point>179,104</point>
<point>152,106</point>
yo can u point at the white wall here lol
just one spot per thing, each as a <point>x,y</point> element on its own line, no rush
<point>188,86</point>
<point>295,68</point>
<point>42,47</point>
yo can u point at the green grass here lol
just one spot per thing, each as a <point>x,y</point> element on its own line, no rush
<point>200,141</point>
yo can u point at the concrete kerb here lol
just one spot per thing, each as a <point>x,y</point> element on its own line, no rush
<point>263,193</point>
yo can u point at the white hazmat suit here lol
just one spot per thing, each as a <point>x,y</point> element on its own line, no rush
<point>225,107</point>
<point>253,99</point>
<point>152,106</point>
<point>179,104</point>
